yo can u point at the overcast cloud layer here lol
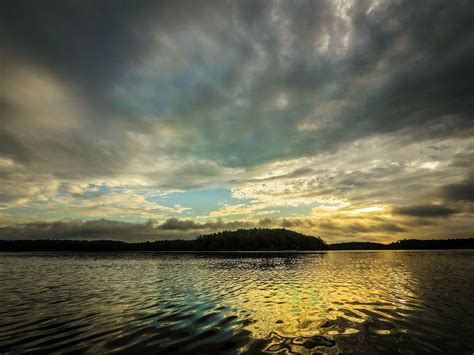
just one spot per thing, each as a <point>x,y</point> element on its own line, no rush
<point>352,120</point>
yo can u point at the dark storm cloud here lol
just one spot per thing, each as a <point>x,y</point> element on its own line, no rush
<point>425,211</point>
<point>426,87</point>
<point>463,191</point>
<point>463,160</point>
<point>414,58</point>
<point>89,42</point>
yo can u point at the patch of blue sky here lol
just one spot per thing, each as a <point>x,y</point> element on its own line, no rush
<point>90,191</point>
<point>96,190</point>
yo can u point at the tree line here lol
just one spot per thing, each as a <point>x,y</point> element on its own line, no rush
<point>240,240</point>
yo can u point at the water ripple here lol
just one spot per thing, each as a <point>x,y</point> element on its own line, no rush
<point>362,302</point>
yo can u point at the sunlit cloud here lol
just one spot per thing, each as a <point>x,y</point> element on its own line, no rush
<point>367,209</point>
<point>343,119</point>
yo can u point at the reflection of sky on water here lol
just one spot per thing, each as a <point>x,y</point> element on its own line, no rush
<point>328,302</point>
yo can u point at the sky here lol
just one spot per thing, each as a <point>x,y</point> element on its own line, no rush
<point>148,120</point>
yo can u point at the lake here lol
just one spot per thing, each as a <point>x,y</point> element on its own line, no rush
<point>328,302</point>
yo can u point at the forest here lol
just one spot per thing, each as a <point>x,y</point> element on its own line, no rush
<point>257,239</point>
<point>240,240</point>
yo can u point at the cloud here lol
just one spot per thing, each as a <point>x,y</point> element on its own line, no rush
<point>342,226</point>
<point>221,84</point>
<point>425,211</point>
<point>189,225</point>
<point>176,224</point>
<point>96,229</point>
<point>463,191</point>
<point>172,228</point>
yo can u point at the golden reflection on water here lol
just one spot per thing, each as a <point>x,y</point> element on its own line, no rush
<point>322,297</point>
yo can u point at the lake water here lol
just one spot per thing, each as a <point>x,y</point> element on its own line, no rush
<point>362,302</point>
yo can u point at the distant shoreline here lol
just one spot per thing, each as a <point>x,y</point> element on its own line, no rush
<point>248,252</point>
<point>242,241</point>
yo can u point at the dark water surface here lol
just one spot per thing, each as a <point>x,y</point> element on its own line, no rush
<point>361,302</point>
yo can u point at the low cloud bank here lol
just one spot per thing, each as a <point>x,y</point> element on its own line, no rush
<point>172,228</point>
<point>425,211</point>
<point>464,191</point>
